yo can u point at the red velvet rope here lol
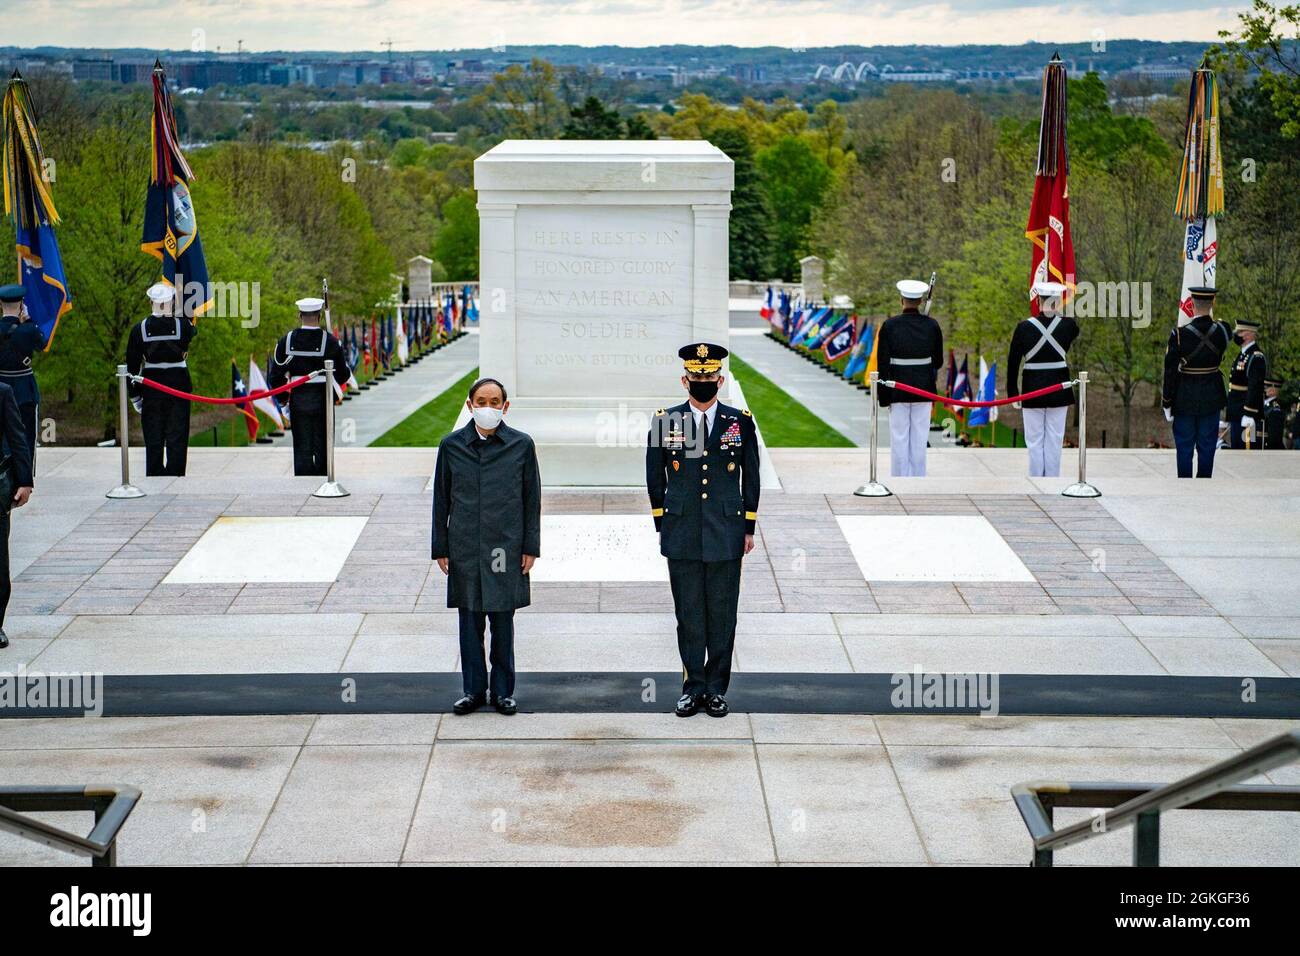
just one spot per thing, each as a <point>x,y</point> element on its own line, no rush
<point>1060,386</point>
<point>250,397</point>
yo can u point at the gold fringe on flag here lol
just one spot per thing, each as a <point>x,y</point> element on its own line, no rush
<point>27,199</point>
<point>1200,182</point>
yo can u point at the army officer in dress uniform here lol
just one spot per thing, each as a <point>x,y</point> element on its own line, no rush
<point>1274,416</point>
<point>20,339</point>
<point>1192,394</point>
<point>910,352</point>
<point>1038,348</point>
<point>703,479</point>
<point>157,348</point>
<point>299,352</point>
<point>1246,387</point>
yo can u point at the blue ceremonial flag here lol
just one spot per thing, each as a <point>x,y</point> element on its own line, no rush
<point>961,386</point>
<point>840,342</point>
<point>861,352</point>
<point>354,351</point>
<point>30,207</point>
<point>171,229</point>
<point>988,392</point>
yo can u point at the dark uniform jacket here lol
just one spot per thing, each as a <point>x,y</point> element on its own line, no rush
<point>910,352</point>
<point>1193,382</point>
<point>487,514</point>
<point>18,342</point>
<point>1274,424</point>
<point>1246,384</point>
<point>1033,358</point>
<point>156,349</point>
<point>15,438</point>
<point>300,352</point>
<point>704,500</point>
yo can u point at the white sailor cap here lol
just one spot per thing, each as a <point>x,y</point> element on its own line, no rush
<point>310,304</point>
<point>1048,290</point>
<point>913,289</point>
<point>161,292</point>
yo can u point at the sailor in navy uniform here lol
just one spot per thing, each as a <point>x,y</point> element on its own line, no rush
<point>702,474</point>
<point>20,338</point>
<point>156,349</point>
<point>299,352</point>
<point>1246,387</point>
<point>911,353</point>
<point>1274,417</point>
<point>1037,360</point>
<point>1192,393</point>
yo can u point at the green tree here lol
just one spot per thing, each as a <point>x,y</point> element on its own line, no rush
<point>795,180</point>
<point>456,245</point>
<point>1267,39</point>
<point>751,216</point>
<point>592,120</point>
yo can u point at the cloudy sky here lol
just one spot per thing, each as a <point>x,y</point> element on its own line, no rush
<point>452,24</point>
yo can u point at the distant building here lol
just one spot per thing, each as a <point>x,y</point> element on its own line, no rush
<point>100,70</point>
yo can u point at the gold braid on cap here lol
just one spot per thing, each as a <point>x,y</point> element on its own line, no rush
<point>702,366</point>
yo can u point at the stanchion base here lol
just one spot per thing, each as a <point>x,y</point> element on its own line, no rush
<point>330,489</point>
<point>125,491</point>
<point>1081,489</point>
<point>873,489</point>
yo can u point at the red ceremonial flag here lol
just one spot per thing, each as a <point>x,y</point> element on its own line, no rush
<point>1052,258</point>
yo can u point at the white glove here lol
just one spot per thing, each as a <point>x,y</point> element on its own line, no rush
<point>138,404</point>
<point>1169,415</point>
<point>1247,422</point>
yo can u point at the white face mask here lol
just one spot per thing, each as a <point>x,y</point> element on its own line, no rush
<point>486,417</point>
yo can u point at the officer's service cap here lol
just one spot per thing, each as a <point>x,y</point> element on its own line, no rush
<point>912,289</point>
<point>1203,292</point>
<point>11,293</point>
<point>702,358</point>
<point>1273,382</point>
<point>1048,290</point>
<point>160,292</point>
<point>310,304</point>
<point>1248,325</point>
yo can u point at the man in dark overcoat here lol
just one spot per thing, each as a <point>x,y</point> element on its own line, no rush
<point>487,529</point>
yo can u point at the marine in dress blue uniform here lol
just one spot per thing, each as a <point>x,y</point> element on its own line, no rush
<point>158,349</point>
<point>702,476</point>
<point>20,339</point>
<point>1246,387</point>
<point>1037,359</point>
<point>1192,392</point>
<point>299,352</point>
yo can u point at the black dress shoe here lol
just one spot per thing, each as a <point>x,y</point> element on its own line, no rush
<point>4,638</point>
<point>468,704</point>
<point>505,706</point>
<point>718,706</point>
<point>687,705</point>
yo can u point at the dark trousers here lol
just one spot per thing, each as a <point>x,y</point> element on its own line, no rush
<point>308,430</point>
<point>28,412</point>
<point>5,587</point>
<point>1198,433</point>
<point>1237,434</point>
<point>165,422</point>
<point>705,595</point>
<point>473,668</point>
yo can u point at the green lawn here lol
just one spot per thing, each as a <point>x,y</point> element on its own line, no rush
<point>783,421</point>
<point>431,423</point>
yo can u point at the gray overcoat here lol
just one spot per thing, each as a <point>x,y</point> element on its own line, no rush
<point>487,514</point>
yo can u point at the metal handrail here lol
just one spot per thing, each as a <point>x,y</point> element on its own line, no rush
<point>1211,788</point>
<point>110,804</point>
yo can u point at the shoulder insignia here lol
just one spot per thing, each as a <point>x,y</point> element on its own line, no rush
<point>658,413</point>
<point>746,411</point>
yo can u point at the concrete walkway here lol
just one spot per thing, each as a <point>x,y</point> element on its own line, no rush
<point>844,407</point>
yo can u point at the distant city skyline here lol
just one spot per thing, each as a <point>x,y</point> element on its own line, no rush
<point>419,25</point>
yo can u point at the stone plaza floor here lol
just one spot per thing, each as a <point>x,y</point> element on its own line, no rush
<point>1123,628</point>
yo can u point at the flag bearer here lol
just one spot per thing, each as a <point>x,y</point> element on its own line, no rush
<point>702,475</point>
<point>20,338</point>
<point>157,349</point>
<point>1246,387</point>
<point>911,353</point>
<point>1192,394</point>
<point>299,352</point>
<point>1038,360</point>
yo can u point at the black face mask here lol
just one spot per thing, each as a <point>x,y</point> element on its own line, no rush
<point>1236,337</point>
<point>702,391</point>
